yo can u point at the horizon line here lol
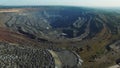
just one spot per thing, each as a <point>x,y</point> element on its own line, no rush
<point>63,6</point>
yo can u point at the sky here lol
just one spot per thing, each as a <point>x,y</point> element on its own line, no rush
<point>93,3</point>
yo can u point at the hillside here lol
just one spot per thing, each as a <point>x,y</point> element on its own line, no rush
<point>86,31</point>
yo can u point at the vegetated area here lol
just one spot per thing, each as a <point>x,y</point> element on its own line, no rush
<point>87,31</point>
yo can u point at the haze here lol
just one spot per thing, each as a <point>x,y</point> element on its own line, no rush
<point>94,3</point>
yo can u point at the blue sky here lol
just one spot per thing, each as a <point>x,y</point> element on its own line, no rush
<point>94,3</point>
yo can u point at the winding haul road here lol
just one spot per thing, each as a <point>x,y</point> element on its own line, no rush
<point>58,63</point>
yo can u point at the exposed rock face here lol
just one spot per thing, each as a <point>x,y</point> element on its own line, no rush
<point>28,24</point>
